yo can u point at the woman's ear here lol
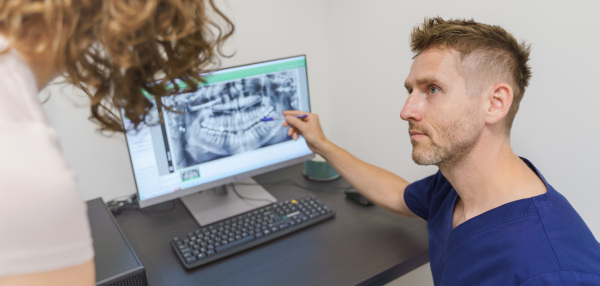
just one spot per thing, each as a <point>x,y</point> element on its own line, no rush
<point>499,101</point>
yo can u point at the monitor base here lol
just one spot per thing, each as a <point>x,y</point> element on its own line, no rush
<point>221,202</point>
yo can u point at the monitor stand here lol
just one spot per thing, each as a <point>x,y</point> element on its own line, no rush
<point>221,202</point>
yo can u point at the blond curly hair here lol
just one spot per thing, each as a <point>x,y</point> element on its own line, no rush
<point>117,50</point>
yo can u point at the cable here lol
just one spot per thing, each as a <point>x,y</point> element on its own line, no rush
<point>248,198</point>
<point>117,205</point>
<point>131,202</point>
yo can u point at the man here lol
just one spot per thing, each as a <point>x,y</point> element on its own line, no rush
<point>492,217</point>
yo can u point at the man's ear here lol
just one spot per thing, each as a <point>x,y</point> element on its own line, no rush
<point>499,101</point>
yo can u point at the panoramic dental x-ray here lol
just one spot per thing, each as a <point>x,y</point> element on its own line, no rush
<point>223,118</point>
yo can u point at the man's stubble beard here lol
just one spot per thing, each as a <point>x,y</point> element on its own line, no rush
<point>457,140</point>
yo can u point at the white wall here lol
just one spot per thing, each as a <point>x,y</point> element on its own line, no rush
<point>264,30</point>
<point>358,58</point>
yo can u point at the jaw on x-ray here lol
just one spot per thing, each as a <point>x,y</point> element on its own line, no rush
<point>222,119</point>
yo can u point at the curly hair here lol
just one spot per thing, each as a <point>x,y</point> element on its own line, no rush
<point>492,53</point>
<point>117,51</point>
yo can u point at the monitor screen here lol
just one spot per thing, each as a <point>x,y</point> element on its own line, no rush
<point>216,136</point>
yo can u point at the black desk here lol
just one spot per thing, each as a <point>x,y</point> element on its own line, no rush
<point>365,245</point>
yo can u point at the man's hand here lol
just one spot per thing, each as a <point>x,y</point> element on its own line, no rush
<point>309,127</point>
<point>378,185</point>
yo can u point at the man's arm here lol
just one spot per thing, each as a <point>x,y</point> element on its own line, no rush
<point>381,187</point>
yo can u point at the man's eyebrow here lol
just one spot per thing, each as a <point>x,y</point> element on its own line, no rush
<point>422,81</point>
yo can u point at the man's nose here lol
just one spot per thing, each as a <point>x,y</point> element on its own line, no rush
<point>411,110</point>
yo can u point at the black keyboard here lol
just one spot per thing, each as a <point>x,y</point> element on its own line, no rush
<point>235,234</point>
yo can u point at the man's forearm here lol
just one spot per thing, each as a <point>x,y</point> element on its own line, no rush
<point>381,187</point>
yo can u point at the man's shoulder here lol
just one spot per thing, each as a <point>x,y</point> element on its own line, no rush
<point>428,194</point>
<point>572,241</point>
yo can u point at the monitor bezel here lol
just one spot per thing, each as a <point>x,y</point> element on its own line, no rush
<point>231,179</point>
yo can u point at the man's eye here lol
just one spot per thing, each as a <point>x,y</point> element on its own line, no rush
<point>433,90</point>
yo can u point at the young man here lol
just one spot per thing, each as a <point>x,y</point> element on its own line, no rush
<point>492,218</point>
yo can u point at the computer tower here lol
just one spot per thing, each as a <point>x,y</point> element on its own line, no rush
<point>116,262</point>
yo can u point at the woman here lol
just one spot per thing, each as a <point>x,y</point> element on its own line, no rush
<point>111,49</point>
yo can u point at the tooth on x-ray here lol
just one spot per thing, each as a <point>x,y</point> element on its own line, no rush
<point>222,119</point>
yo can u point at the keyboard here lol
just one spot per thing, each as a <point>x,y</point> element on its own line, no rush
<point>247,230</point>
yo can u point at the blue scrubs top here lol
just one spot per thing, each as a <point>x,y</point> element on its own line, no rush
<point>534,241</point>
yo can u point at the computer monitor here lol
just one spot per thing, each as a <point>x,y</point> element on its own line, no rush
<point>215,137</point>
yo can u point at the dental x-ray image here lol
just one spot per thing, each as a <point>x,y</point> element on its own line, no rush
<point>222,119</point>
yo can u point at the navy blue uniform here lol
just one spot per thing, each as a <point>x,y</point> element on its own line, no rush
<point>535,241</point>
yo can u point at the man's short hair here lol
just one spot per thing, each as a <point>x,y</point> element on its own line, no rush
<point>496,55</point>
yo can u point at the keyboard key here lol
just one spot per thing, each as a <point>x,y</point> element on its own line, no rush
<point>190,259</point>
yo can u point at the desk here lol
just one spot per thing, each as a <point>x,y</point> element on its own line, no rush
<point>360,245</point>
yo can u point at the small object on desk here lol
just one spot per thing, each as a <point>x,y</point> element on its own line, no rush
<point>356,197</point>
<point>317,169</point>
<point>238,233</point>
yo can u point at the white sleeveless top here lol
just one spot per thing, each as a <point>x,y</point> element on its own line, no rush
<point>43,218</point>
